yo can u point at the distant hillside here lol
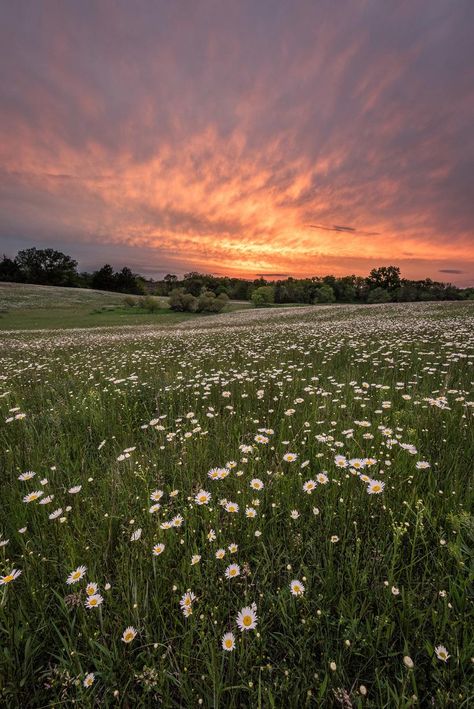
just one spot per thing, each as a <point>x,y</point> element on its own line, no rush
<point>22,295</point>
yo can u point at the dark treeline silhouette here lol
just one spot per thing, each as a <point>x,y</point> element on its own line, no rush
<point>51,267</point>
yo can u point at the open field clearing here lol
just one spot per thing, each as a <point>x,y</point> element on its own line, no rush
<point>31,307</point>
<point>264,508</point>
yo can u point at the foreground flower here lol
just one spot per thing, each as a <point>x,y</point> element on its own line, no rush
<point>408,662</point>
<point>14,573</point>
<point>91,589</point>
<point>32,496</point>
<point>27,476</point>
<point>309,486</point>
<point>297,588</point>
<point>232,571</point>
<point>76,575</point>
<point>94,601</point>
<point>247,618</point>
<point>228,642</point>
<point>129,634</point>
<point>375,487</point>
<point>158,549</point>
<point>89,680</point>
<point>203,497</point>
<point>442,653</point>
<point>290,457</point>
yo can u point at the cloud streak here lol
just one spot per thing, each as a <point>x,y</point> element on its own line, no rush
<point>211,136</point>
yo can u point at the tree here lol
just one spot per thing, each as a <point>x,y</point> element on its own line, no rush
<point>209,303</point>
<point>324,294</point>
<point>387,277</point>
<point>104,278</point>
<point>378,295</point>
<point>9,270</point>
<point>126,282</point>
<point>46,267</point>
<point>262,296</point>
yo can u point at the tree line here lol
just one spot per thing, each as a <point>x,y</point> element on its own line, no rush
<point>198,291</point>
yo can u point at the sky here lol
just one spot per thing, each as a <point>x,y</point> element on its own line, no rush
<point>240,137</point>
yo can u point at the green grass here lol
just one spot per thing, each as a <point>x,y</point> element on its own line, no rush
<point>29,307</point>
<point>362,382</point>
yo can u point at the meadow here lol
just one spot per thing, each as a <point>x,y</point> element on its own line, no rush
<point>264,508</point>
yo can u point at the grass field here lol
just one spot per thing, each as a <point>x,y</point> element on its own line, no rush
<point>256,509</point>
<point>30,307</point>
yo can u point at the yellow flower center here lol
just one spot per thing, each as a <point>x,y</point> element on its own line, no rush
<point>247,620</point>
<point>8,578</point>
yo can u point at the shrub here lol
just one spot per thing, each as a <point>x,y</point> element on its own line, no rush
<point>130,301</point>
<point>324,294</point>
<point>265,295</point>
<point>182,302</point>
<point>208,303</point>
<point>379,295</point>
<point>151,304</point>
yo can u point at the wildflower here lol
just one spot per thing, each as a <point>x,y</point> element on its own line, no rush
<point>247,618</point>
<point>211,535</point>
<point>32,496</point>
<point>333,666</point>
<point>195,559</point>
<point>297,588</point>
<point>94,601</point>
<point>154,508</point>
<point>228,642</point>
<point>256,484</point>
<point>341,461</point>
<point>14,573</point>
<point>231,507</point>
<point>233,548</point>
<point>76,575</point>
<point>395,591</point>
<point>322,478</point>
<point>232,571</point>
<point>408,662</point>
<point>56,513</point>
<point>290,457</point>
<point>91,589</point>
<point>202,497</point>
<point>129,634</point>
<point>156,495</point>
<point>220,553</point>
<point>74,490</point>
<point>250,512</point>
<point>309,486</point>
<point>89,680</point>
<point>334,539</point>
<point>136,535</point>
<point>27,476</point>
<point>177,521</point>
<point>158,549</point>
<point>294,514</point>
<point>442,653</point>
<point>375,487</point>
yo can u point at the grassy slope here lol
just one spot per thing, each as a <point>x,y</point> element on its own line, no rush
<point>30,307</point>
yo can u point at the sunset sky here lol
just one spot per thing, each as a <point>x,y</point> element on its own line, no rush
<point>209,135</point>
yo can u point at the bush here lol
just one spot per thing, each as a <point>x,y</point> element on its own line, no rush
<point>208,303</point>
<point>182,302</point>
<point>151,304</point>
<point>265,295</point>
<point>130,301</point>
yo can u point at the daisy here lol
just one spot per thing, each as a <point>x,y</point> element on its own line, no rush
<point>196,558</point>
<point>220,553</point>
<point>341,461</point>
<point>309,486</point>
<point>93,601</point>
<point>91,589</point>
<point>232,507</point>
<point>76,575</point>
<point>297,588</point>
<point>156,495</point>
<point>442,653</point>
<point>14,573</point>
<point>232,571</point>
<point>32,496</point>
<point>422,465</point>
<point>154,508</point>
<point>89,680</point>
<point>228,642</point>
<point>129,634</point>
<point>136,535</point>
<point>250,512</point>
<point>56,513</point>
<point>202,497</point>
<point>247,618</point>
<point>158,549</point>
<point>375,487</point>
<point>290,457</point>
<point>177,521</point>
<point>256,484</point>
<point>233,548</point>
<point>74,490</point>
<point>211,535</point>
<point>27,476</point>
<point>322,478</point>
<point>294,514</point>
